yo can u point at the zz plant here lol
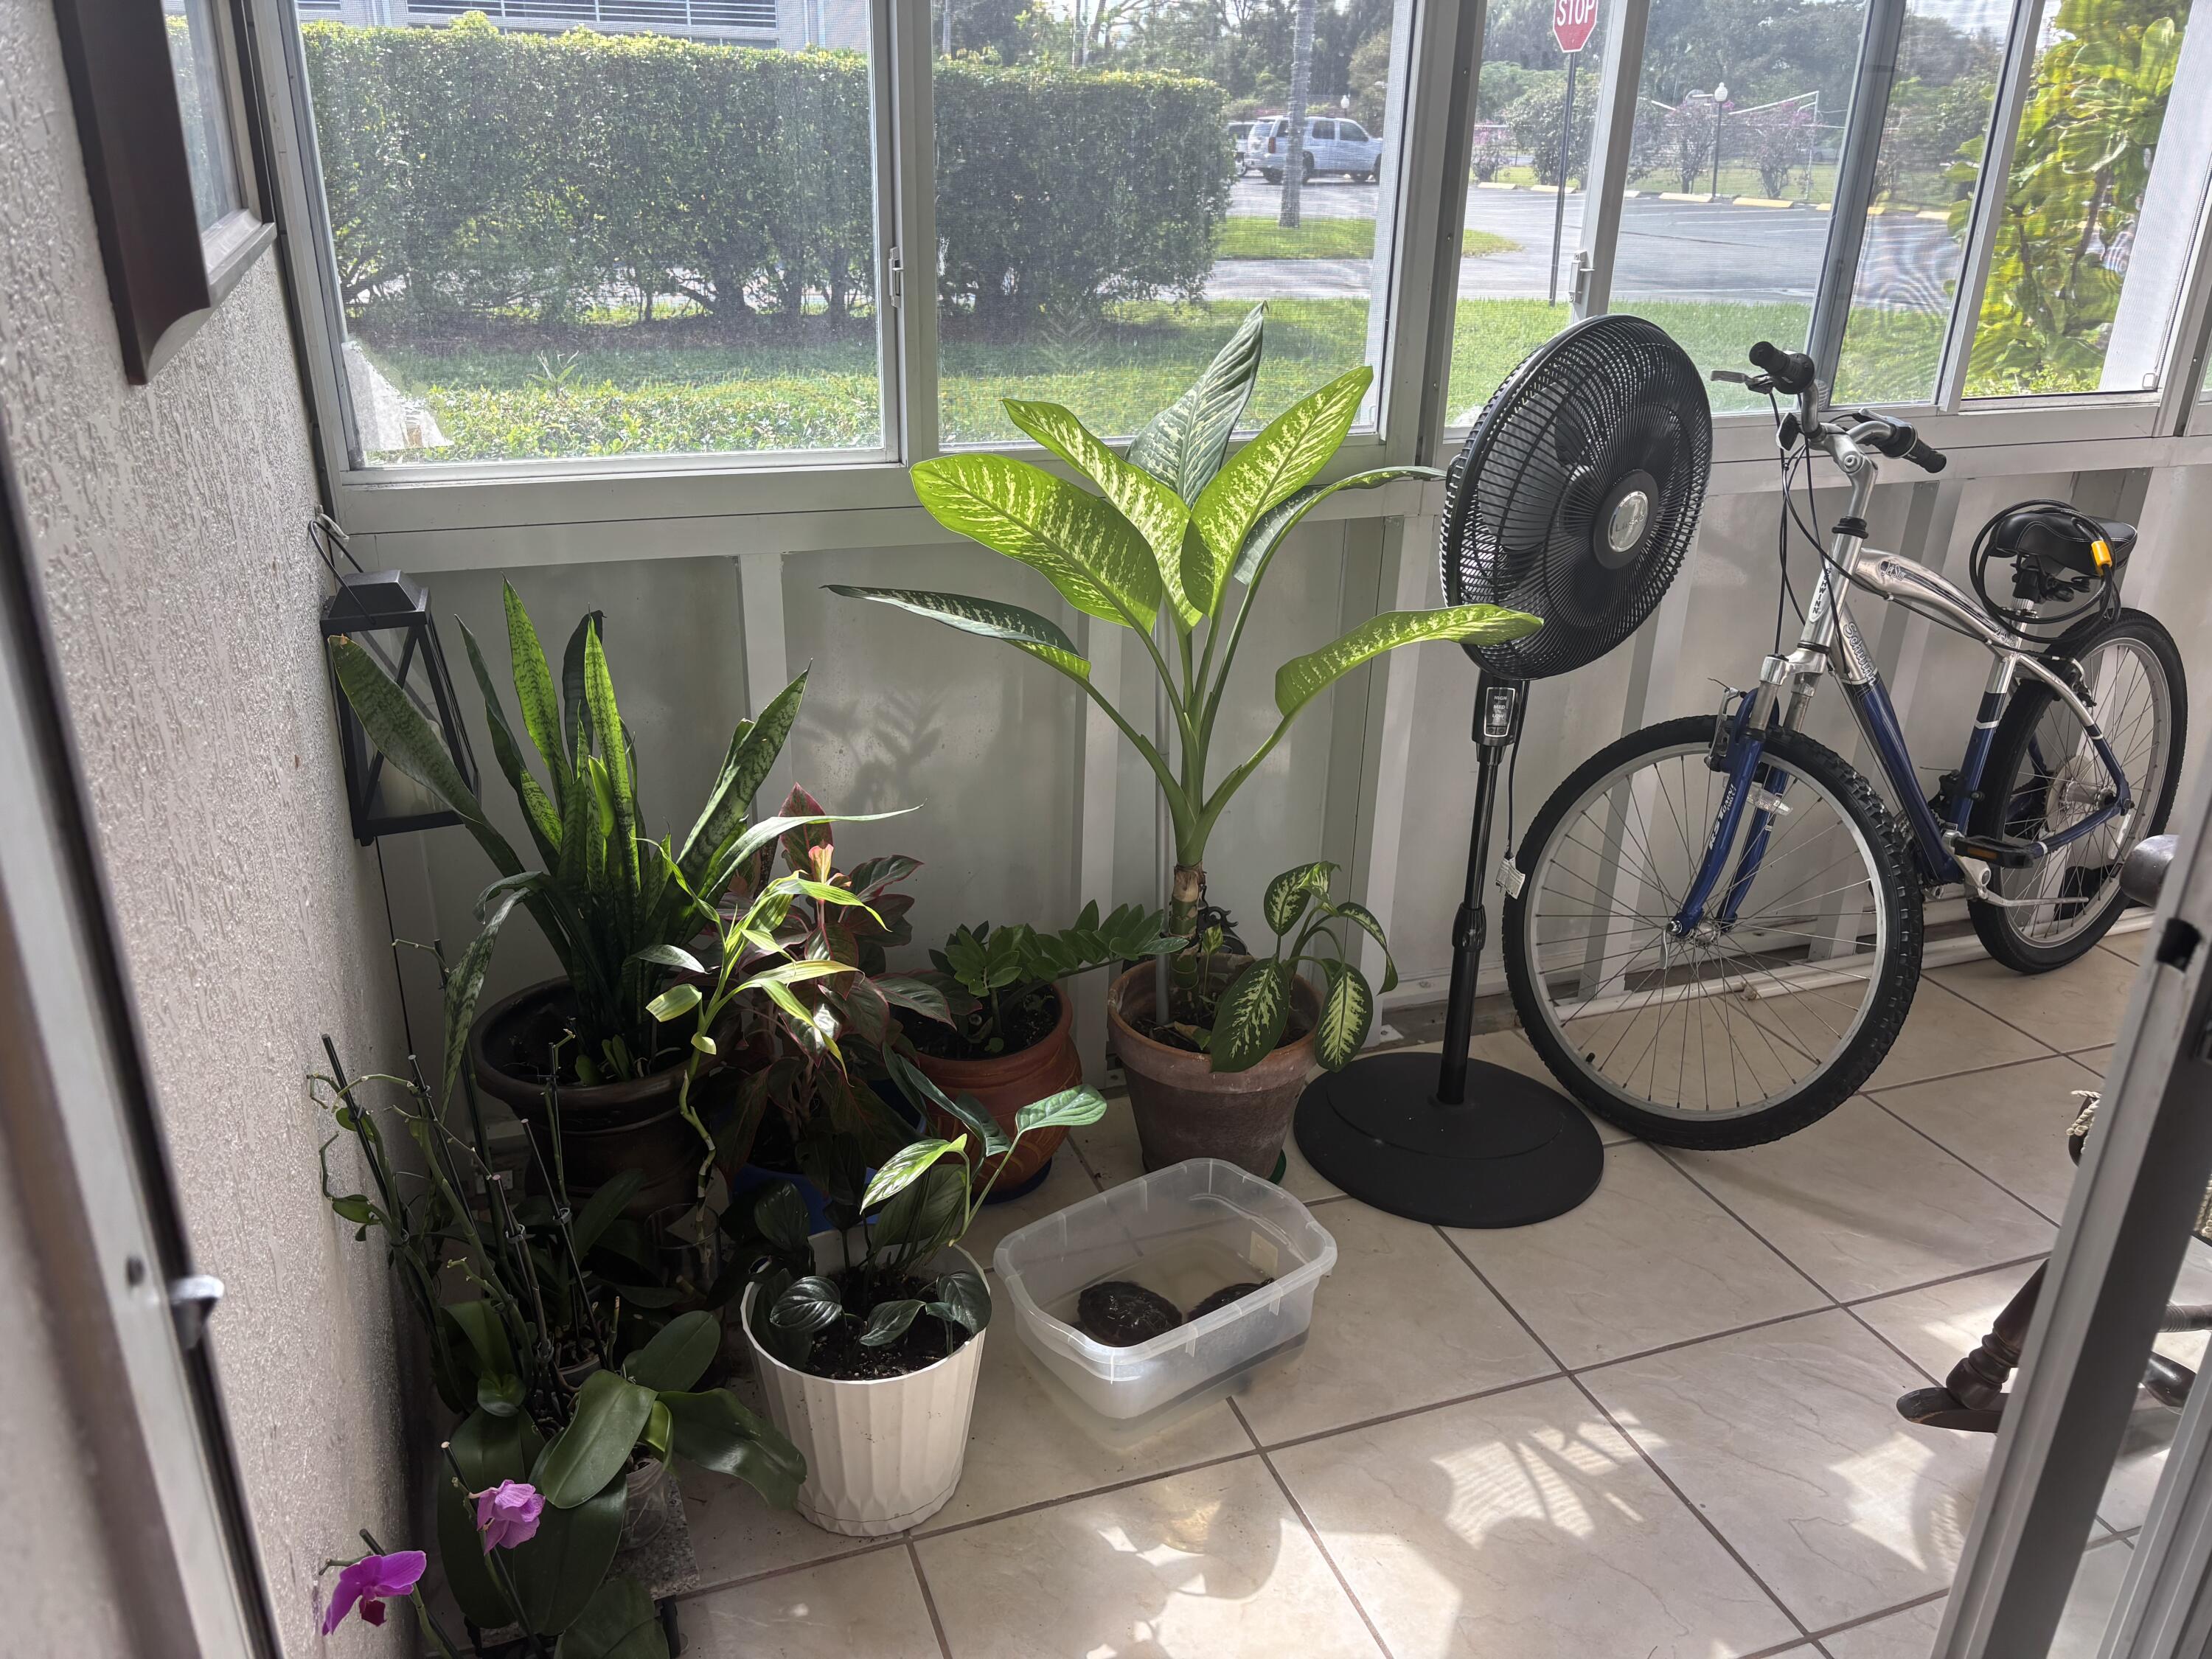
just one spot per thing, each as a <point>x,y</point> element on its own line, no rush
<point>1003,971</point>
<point>1182,531</point>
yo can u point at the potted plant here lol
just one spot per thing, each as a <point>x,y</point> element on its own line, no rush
<point>1011,1039</point>
<point>1178,530</point>
<point>607,898</point>
<point>572,1387</point>
<point>869,1339</point>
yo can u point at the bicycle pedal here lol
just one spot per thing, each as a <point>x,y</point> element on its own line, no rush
<point>2000,850</point>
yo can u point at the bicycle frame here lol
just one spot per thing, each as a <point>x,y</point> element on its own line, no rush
<point>1831,638</point>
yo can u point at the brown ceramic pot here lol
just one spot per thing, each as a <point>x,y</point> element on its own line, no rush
<point>605,1128</point>
<point>1185,1110</point>
<point>1003,1084</point>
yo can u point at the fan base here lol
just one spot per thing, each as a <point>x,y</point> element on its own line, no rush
<point>1515,1152</point>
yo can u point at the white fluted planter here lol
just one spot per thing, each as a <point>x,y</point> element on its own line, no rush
<point>881,1456</point>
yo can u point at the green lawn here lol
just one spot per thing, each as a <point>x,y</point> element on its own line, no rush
<point>675,389</point>
<point>1256,236</point>
<point>1927,189</point>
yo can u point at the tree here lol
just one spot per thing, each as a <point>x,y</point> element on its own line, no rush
<point>1777,141</point>
<point>2079,173</point>
<point>1686,140</point>
<point>1535,117</point>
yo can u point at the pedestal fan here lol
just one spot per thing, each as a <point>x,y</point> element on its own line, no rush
<point>1575,500</point>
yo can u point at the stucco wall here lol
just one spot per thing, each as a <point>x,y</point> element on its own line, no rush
<point>169,524</point>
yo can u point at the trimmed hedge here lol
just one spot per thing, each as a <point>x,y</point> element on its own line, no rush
<point>473,173</point>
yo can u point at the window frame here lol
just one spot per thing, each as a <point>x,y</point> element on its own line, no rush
<point>566,510</point>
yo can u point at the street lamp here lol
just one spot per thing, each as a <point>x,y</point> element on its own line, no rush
<point>1720,106</point>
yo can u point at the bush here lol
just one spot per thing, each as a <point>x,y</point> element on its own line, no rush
<point>1535,118</point>
<point>473,173</point>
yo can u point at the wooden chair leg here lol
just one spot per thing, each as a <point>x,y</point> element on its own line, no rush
<point>1973,1396</point>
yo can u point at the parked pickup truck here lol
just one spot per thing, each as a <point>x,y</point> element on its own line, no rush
<point>1333,145</point>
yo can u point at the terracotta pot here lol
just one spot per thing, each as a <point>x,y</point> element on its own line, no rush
<point>605,1128</point>
<point>1185,1110</point>
<point>1003,1084</point>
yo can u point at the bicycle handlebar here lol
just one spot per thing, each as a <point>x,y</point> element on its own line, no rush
<point>1790,371</point>
<point>1904,444</point>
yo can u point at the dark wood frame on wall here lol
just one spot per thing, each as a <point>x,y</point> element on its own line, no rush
<point>132,132</point>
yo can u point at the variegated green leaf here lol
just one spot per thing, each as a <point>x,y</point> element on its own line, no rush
<point>1364,918</point>
<point>1076,541</point>
<point>1248,1021</point>
<point>575,718</point>
<point>540,813</point>
<point>614,754</point>
<point>1183,445</point>
<point>753,749</point>
<point>1289,894</point>
<point>1300,680</point>
<point>1157,512</point>
<point>1277,463</point>
<point>533,689</point>
<point>1040,636</point>
<point>1071,1108</point>
<point>904,1166</point>
<point>1269,529</point>
<point>466,983</point>
<point>1346,1012</point>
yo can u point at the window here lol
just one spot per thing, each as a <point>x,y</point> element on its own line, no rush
<point>196,55</point>
<point>1099,238</point>
<point>2078,301</point>
<point>1926,171</point>
<point>562,245</point>
<point>1518,247</point>
<point>1740,121</point>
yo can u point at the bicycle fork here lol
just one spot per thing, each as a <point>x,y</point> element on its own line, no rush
<point>1756,787</point>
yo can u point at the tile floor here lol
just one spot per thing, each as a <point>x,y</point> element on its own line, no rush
<point>1660,1427</point>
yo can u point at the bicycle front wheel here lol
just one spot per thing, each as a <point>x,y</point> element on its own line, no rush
<point>1776,1003</point>
<point>2043,777</point>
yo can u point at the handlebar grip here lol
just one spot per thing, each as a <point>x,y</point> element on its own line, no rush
<point>1790,371</point>
<point>1927,456</point>
<point>1904,443</point>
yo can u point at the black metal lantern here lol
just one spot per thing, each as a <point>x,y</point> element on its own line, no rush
<point>389,616</point>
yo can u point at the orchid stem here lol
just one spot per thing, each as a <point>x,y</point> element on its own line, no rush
<point>422,1613</point>
<point>498,1566</point>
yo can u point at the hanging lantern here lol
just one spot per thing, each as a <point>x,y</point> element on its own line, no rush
<point>389,616</point>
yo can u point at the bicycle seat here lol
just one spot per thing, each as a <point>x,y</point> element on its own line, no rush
<point>2058,541</point>
<point>2144,872</point>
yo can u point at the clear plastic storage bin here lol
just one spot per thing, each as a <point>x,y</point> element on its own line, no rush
<point>1185,1232</point>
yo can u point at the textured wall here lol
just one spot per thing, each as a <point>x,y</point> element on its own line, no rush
<point>169,522</point>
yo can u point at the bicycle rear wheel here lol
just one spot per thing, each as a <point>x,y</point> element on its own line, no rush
<point>2042,775</point>
<point>1742,1031</point>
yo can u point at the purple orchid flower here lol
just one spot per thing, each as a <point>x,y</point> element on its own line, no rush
<point>371,1581</point>
<point>507,1513</point>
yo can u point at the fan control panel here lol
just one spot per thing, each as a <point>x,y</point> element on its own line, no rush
<point>1498,715</point>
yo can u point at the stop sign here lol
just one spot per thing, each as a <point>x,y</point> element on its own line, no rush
<point>1572,21</point>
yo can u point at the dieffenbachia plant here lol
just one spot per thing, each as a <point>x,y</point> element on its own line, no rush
<point>1249,1015</point>
<point>1178,528</point>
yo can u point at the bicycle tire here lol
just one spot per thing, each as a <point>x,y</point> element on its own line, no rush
<point>2002,932</point>
<point>1896,977</point>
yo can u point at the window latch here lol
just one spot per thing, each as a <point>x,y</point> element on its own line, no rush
<point>895,277</point>
<point>193,1299</point>
<point>1578,275</point>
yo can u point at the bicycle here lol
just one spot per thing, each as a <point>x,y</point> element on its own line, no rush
<point>1713,929</point>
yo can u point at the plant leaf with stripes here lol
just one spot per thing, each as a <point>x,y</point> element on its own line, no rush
<point>1270,527</point>
<point>1183,444</point>
<point>533,690</point>
<point>1364,918</point>
<point>1346,1012</point>
<point>1040,636</point>
<point>1288,894</point>
<point>1076,540</point>
<point>1248,1020</point>
<point>1302,679</point>
<point>1289,450</point>
<point>753,747</point>
<point>575,717</point>
<point>1157,511</point>
<point>537,810</point>
<point>607,736</point>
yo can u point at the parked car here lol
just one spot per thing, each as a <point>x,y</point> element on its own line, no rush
<point>1333,145</point>
<point>1240,134</point>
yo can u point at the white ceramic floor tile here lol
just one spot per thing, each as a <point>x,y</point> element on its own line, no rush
<point>1864,1205</point>
<point>1944,1034</point>
<point>871,1604</point>
<point>1069,1182</point>
<point>1646,1260</point>
<point>2073,1008</point>
<point>1208,1565</point>
<point>1400,1322</point>
<point>1786,1438</point>
<point>1523,1526</point>
<point>2010,1123</point>
<point>1910,1634</point>
<point>2128,944</point>
<point>1025,1448</point>
<point>736,1534</point>
<point>1110,1146</point>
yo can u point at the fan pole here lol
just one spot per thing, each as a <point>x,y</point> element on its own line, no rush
<point>1398,1129</point>
<point>1498,706</point>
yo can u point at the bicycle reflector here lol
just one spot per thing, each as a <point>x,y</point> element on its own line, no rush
<point>1575,500</point>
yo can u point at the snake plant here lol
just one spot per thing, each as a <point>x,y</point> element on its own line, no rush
<point>604,895</point>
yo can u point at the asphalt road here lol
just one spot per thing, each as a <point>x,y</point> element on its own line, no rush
<point>1668,250</point>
